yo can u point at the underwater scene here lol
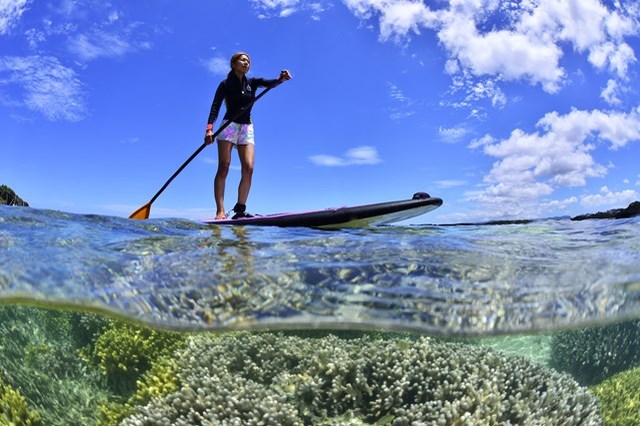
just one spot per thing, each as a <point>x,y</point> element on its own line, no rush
<point>108,321</point>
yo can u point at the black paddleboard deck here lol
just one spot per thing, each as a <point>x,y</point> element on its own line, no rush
<point>344,217</point>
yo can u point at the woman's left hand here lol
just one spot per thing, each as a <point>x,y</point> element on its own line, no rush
<point>284,76</point>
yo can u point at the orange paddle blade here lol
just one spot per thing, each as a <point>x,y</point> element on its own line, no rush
<point>142,213</point>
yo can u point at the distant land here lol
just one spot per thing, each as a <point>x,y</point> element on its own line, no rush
<point>632,210</point>
<point>9,198</point>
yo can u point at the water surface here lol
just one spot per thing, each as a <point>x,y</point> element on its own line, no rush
<point>453,280</point>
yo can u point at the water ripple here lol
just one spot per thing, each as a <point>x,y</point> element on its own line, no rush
<point>467,280</point>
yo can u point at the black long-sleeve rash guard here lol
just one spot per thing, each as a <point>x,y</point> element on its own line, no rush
<point>236,94</point>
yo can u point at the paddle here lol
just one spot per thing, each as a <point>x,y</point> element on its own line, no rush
<point>143,212</point>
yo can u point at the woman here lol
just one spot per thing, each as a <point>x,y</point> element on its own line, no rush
<point>238,92</point>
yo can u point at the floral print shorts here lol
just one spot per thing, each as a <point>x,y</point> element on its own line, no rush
<point>237,134</point>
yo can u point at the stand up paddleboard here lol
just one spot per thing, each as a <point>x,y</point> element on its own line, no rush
<point>344,217</point>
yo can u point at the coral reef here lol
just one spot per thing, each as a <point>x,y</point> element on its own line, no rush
<point>39,359</point>
<point>619,398</point>
<point>14,409</point>
<point>591,355</point>
<point>160,380</point>
<point>270,378</point>
<point>124,352</point>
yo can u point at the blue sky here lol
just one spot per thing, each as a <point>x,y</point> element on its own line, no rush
<point>504,109</point>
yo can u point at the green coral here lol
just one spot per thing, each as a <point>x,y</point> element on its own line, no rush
<point>39,357</point>
<point>124,352</point>
<point>275,379</point>
<point>62,360</point>
<point>591,355</point>
<point>14,409</point>
<point>85,328</point>
<point>619,398</point>
<point>160,380</point>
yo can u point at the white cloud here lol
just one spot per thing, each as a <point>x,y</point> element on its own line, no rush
<point>452,183</point>
<point>606,197</point>
<point>283,8</point>
<point>477,89</point>
<point>34,37</point>
<point>559,204</point>
<point>512,41</point>
<point>363,155</point>
<point>403,105</point>
<point>533,165</point>
<point>485,140</point>
<point>610,93</point>
<point>102,44</point>
<point>217,65</point>
<point>506,53</point>
<point>47,86</point>
<point>10,13</point>
<point>397,18</point>
<point>453,134</point>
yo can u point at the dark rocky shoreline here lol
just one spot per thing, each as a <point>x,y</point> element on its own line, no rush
<point>8,197</point>
<point>632,210</point>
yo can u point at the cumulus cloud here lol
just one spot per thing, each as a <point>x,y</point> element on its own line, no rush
<point>398,19</point>
<point>363,155</point>
<point>558,204</point>
<point>606,197</point>
<point>484,140</point>
<point>511,40</point>
<point>507,53</point>
<point>10,13</point>
<point>45,86</point>
<point>533,165</point>
<point>610,93</point>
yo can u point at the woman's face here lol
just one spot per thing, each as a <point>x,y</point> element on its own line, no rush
<point>242,64</point>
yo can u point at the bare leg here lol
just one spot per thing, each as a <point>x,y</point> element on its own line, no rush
<point>224,160</point>
<point>247,156</point>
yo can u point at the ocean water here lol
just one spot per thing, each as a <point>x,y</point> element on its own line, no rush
<point>562,297</point>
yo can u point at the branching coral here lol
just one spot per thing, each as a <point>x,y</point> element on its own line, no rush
<point>619,398</point>
<point>14,409</point>
<point>591,355</point>
<point>272,379</point>
<point>160,380</point>
<point>38,357</point>
<point>124,352</point>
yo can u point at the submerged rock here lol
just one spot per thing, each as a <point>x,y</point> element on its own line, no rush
<point>9,198</point>
<point>276,379</point>
<point>632,210</point>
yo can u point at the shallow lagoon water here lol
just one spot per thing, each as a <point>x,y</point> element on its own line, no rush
<point>529,282</point>
<point>466,280</point>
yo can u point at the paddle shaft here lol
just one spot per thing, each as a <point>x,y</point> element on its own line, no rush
<point>203,146</point>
